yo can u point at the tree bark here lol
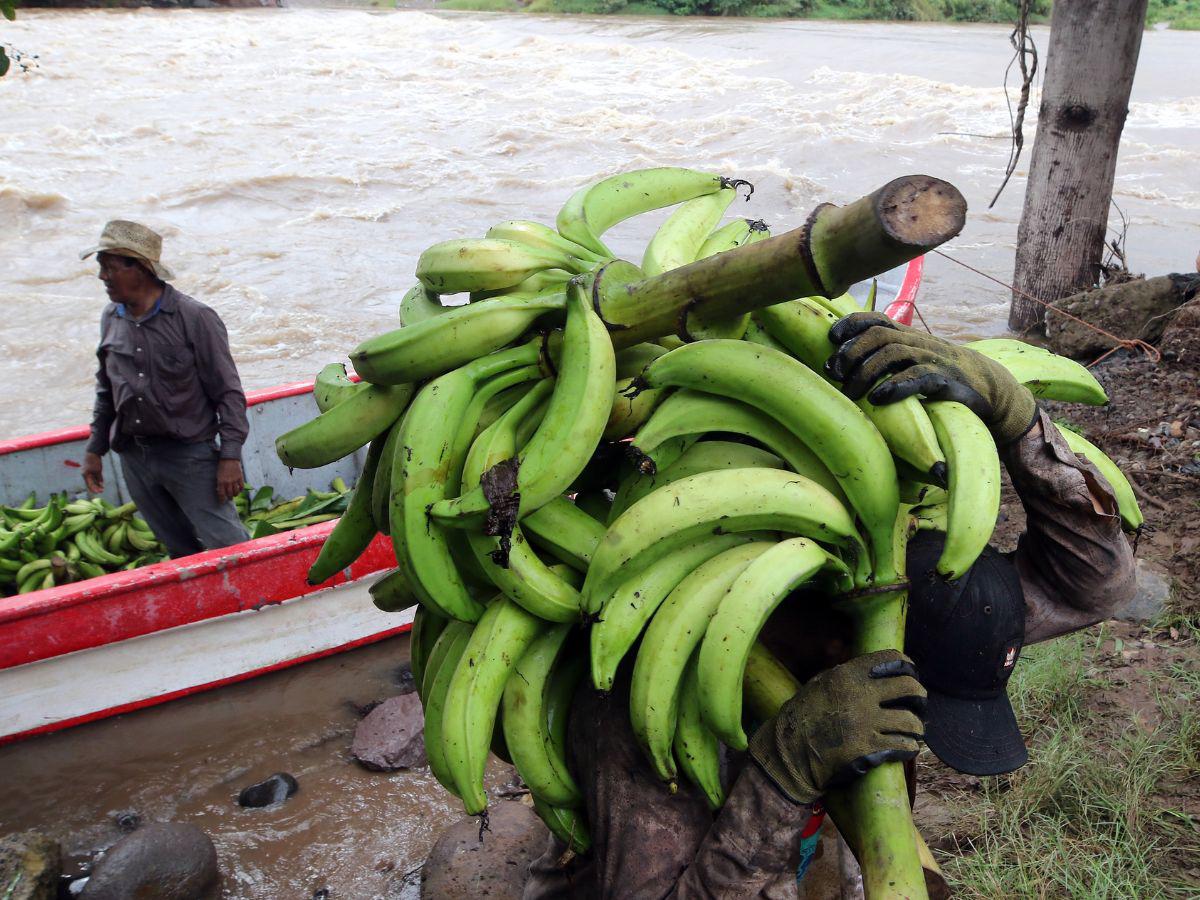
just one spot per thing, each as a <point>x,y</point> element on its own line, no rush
<point>1089,73</point>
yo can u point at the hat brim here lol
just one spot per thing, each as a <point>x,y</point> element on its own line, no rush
<point>160,270</point>
<point>977,737</point>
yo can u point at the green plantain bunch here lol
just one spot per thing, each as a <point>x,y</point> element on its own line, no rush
<point>560,499</point>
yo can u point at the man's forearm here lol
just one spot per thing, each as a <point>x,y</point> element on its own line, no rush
<point>1076,566</point>
<point>103,416</point>
<point>756,841</point>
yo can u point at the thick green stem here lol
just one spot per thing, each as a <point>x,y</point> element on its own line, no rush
<point>837,247</point>
<point>873,812</point>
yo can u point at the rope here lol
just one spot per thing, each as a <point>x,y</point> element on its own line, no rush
<point>1121,343</point>
<point>1025,54</point>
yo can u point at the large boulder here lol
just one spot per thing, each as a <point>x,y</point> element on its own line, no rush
<point>1139,309</point>
<point>392,736</point>
<point>30,867</point>
<point>462,867</point>
<point>159,861</point>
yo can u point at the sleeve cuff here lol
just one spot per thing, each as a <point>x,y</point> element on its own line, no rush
<point>231,450</point>
<point>96,444</point>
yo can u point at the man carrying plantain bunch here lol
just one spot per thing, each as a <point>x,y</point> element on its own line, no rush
<point>1072,568</point>
<point>166,389</point>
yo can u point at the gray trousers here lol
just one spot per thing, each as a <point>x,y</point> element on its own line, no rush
<point>175,488</point>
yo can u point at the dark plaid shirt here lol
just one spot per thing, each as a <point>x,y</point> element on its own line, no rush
<point>169,375</point>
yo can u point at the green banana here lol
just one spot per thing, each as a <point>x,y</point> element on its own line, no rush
<point>498,642</point>
<point>630,410</point>
<point>356,421</point>
<point>139,540</point>
<point>803,327</point>
<point>32,568</point>
<point>1131,515</point>
<point>541,237</point>
<point>392,592</point>
<point>756,334</point>
<point>698,328</point>
<point>632,360</point>
<point>705,456</point>
<point>332,385</point>
<point>547,282</point>
<point>446,342</point>
<point>443,661</point>
<point>734,628</point>
<point>1046,374</point>
<point>974,501</point>
<point>729,236</point>
<point>565,531</point>
<point>678,240</point>
<point>568,825</point>
<point>93,551</point>
<point>669,643</point>
<point>427,626</point>
<point>356,528</point>
<point>539,754</point>
<point>831,425</point>
<point>116,540</point>
<point>693,412</point>
<point>89,568</point>
<point>428,435</point>
<point>574,421</point>
<point>697,749</point>
<point>522,576</point>
<point>734,500</point>
<point>381,482</point>
<point>594,209</point>
<point>624,613</point>
<point>420,304</point>
<point>486,264</point>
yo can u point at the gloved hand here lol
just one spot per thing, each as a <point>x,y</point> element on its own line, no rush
<point>872,347</point>
<point>843,722</point>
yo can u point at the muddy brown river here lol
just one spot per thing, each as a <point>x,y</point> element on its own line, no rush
<point>298,160</point>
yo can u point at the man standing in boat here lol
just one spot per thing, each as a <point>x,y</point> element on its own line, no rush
<point>168,398</point>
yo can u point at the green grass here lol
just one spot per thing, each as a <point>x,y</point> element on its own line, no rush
<point>481,5</point>
<point>1182,14</point>
<point>1091,815</point>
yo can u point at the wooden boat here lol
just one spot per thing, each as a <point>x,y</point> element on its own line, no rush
<point>96,648</point>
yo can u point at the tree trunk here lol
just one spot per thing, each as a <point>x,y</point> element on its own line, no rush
<point>1089,72</point>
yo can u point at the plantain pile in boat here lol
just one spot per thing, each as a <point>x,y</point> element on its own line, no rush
<point>538,557</point>
<point>70,540</point>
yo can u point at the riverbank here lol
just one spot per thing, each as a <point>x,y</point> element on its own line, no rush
<point>1174,14</point>
<point>1109,804</point>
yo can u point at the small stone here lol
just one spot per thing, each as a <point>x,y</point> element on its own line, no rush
<point>403,676</point>
<point>30,866</point>
<point>75,888</point>
<point>1150,597</point>
<point>159,861</point>
<point>392,737</point>
<point>1177,429</point>
<point>127,820</point>
<point>270,792</point>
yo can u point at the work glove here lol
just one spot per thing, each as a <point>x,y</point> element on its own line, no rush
<point>843,722</point>
<point>894,361</point>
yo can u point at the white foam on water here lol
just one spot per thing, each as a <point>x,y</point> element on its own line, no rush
<point>297,161</point>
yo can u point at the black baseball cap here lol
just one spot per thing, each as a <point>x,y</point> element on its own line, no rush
<point>965,638</point>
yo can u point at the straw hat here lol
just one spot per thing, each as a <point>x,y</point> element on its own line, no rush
<point>131,239</point>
